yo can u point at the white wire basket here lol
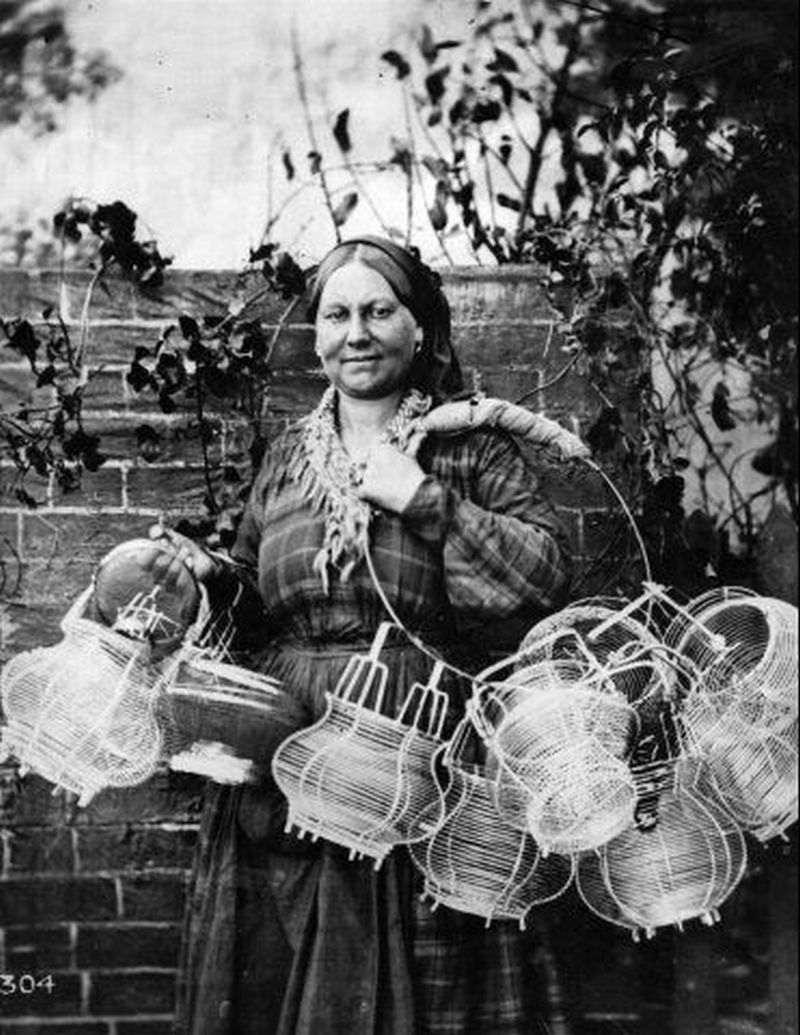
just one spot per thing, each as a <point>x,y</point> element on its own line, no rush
<point>560,737</point>
<point>476,863</point>
<point>81,713</point>
<point>681,866</point>
<point>745,645</point>
<point>358,777</point>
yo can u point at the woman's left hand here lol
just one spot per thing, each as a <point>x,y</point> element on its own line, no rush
<point>388,476</point>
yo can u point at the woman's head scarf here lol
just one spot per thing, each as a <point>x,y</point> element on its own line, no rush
<point>434,369</point>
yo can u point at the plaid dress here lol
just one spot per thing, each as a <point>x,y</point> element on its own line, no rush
<point>286,937</point>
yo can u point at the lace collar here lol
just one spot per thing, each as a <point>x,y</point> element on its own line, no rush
<point>326,476</point>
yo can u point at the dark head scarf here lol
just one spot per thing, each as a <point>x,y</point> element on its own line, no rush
<point>434,369</point>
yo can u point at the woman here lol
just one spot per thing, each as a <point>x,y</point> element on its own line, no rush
<point>293,938</point>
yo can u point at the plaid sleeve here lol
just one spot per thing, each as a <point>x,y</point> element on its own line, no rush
<point>503,548</point>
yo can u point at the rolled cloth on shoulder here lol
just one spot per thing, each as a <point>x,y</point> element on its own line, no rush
<point>435,369</point>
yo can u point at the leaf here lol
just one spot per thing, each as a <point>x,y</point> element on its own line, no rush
<point>189,327</point>
<point>486,111</point>
<point>503,62</point>
<point>434,84</point>
<point>427,46</point>
<point>139,377</point>
<point>148,442</point>
<point>314,162</point>
<point>447,45</point>
<point>720,410</point>
<point>504,201</point>
<point>437,213</point>
<point>345,207</point>
<point>605,432</point>
<point>505,88</point>
<point>24,341</point>
<point>398,63</point>
<point>46,377</point>
<point>288,166</point>
<point>340,131</point>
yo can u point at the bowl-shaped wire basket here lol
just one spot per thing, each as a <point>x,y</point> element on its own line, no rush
<point>681,866</point>
<point>358,777</point>
<point>222,720</point>
<point>745,645</point>
<point>559,737</point>
<point>476,863</point>
<point>81,713</point>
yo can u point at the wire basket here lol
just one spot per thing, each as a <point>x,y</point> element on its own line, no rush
<point>222,720</point>
<point>81,713</point>
<point>754,769</point>
<point>559,737</point>
<point>745,645</point>
<point>361,778</point>
<point>476,863</point>
<point>682,865</point>
<point>605,634</point>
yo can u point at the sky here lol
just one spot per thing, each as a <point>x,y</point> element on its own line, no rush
<point>207,103</point>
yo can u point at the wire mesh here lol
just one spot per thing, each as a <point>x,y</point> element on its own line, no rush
<point>681,866</point>
<point>358,777</point>
<point>81,713</point>
<point>476,863</point>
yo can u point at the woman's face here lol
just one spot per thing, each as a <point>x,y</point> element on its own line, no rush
<point>365,336</point>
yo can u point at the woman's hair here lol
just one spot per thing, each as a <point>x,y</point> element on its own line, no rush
<point>434,369</point>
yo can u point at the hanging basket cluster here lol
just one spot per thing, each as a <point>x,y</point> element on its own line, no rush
<point>626,747</point>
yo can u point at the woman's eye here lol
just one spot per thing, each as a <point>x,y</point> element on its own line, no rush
<point>382,312</point>
<point>335,315</point>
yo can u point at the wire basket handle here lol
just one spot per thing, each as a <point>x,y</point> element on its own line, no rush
<point>429,700</point>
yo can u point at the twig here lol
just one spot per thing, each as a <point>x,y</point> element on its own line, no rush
<point>303,93</point>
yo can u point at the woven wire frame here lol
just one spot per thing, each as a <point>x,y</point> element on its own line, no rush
<point>358,777</point>
<point>745,645</point>
<point>81,713</point>
<point>682,866</point>
<point>605,634</point>
<point>476,863</point>
<point>557,739</point>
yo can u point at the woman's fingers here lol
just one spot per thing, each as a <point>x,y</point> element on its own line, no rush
<point>414,441</point>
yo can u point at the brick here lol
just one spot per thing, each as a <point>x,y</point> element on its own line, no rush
<point>153,897</point>
<point>164,1027</point>
<point>18,388</point>
<point>178,436</point>
<point>165,797</point>
<point>76,1026</point>
<point>104,390</point>
<point>127,992</point>
<point>484,293</point>
<point>499,342</point>
<point>508,383</point>
<point>128,848</point>
<point>25,625</point>
<point>37,850</point>
<point>38,949</point>
<point>56,583</point>
<point>572,521</point>
<point>31,801</point>
<point>174,490</point>
<point>294,393</point>
<point>572,485</point>
<point>64,999</point>
<point>35,485</point>
<point>128,945</point>
<point>83,538</point>
<point>96,490</point>
<point>52,899</point>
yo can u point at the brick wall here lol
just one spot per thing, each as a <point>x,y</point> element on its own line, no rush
<point>94,896</point>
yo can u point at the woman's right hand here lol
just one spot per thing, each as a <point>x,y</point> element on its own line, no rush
<point>184,553</point>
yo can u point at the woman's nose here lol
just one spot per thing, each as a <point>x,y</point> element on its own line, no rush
<point>357,329</point>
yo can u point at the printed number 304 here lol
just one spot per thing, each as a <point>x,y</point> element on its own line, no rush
<point>25,984</point>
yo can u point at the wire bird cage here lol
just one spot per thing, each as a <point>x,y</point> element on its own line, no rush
<point>222,720</point>
<point>559,737</point>
<point>81,713</point>
<point>358,777</point>
<point>681,865</point>
<point>476,863</point>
